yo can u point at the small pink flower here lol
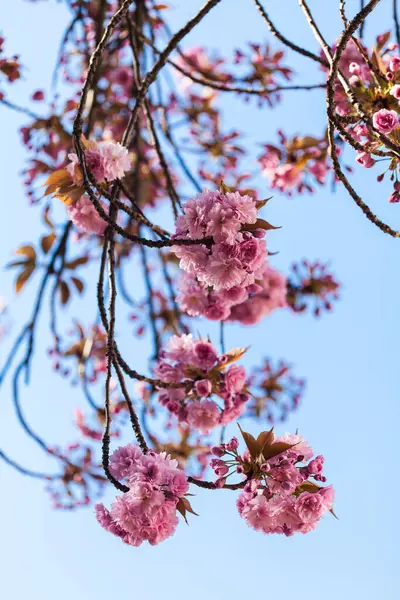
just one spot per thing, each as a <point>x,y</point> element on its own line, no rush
<point>365,160</point>
<point>395,91</point>
<point>203,387</point>
<point>85,217</point>
<point>385,120</point>
<point>354,68</point>
<point>235,379</point>
<point>203,415</point>
<point>394,63</point>
<point>116,160</point>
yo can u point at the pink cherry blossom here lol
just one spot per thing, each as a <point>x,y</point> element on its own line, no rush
<point>147,512</point>
<point>385,120</point>
<point>211,394</point>
<point>85,217</point>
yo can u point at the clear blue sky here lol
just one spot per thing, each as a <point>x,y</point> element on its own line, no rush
<point>350,411</point>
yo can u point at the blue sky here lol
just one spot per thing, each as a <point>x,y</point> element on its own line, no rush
<point>350,358</point>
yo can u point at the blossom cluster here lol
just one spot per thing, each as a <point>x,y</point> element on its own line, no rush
<point>246,305</point>
<point>376,84</point>
<point>106,161</point>
<point>233,252</point>
<point>202,375</point>
<point>147,512</point>
<point>278,496</point>
<point>295,164</point>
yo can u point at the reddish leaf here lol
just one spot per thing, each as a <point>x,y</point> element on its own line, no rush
<point>64,292</point>
<point>260,224</point>
<point>261,203</point>
<point>23,277</point>
<point>78,284</point>
<point>265,438</point>
<point>251,443</point>
<point>28,251</point>
<point>275,449</point>
<point>47,241</point>
<point>76,263</point>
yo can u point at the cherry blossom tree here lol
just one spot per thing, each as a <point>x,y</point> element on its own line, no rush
<point>135,149</point>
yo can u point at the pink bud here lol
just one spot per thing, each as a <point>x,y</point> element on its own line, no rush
<point>217,451</point>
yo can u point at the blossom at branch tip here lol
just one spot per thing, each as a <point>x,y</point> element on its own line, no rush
<point>207,376</point>
<point>385,120</point>
<point>233,253</point>
<point>147,512</point>
<point>280,494</point>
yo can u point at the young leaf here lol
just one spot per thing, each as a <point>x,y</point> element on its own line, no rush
<point>47,241</point>
<point>28,251</point>
<point>232,356</point>
<point>260,224</point>
<point>64,292</point>
<point>265,438</point>
<point>76,263</point>
<point>251,443</point>
<point>23,277</point>
<point>261,203</point>
<point>275,449</point>
<point>78,284</point>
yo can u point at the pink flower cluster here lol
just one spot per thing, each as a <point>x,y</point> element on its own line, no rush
<point>278,496</point>
<point>85,217</point>
<point>147,512</point>
<point>233,253</point>
<point>106,161</point>
<point>203,373</point>
<point>247,305</point>
<point>296,164</point>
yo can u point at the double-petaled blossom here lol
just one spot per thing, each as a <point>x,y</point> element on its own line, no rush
<point>385,120</point>
<point>247,305</point>
<point>280,494</point>
<point>106,161</point>
<point>85,217</point>
<point>147,512</point>
<point>233,253</point>
<point>205,377</point>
